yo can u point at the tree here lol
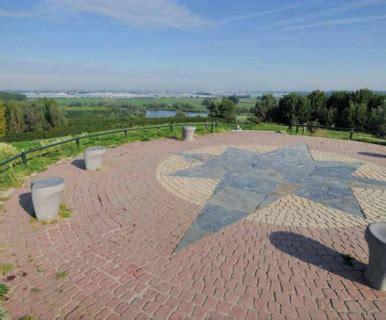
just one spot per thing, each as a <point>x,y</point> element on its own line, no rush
<point>213,109</point>
<point>265,106</point>
<point>35,115</point>
<point>362,96</point>
<point>8,96</point>
<point>358,115</point>
<point>375,101</point>
<point>331,116</point>
<point>14,117</point>
<point>206,102</point>
<point>340,101</point>
<point>293,108</point>
<point>180,114</point>
<point>318,108</point>
<point>34,118</point>
<point>235,99</point>
<point>227,110</point>
<point>378,120</point>
<point>52,112</point>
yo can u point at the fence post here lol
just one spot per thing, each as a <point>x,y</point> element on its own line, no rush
<point>24,158</point>
<point>297,128</point>
<point>212,127</point>
<point>351,133</point>
<point>304,126</point>
<point>77,140</point>
<point>125,131</point>
<point>171,128</point>
<point>206,126</point>
<point>290,128</point>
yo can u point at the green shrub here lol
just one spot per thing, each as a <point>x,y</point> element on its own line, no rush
<point>61,275</point>
<point>6,268</point>
<point>7,151</point>
<point>32,116</point>
<point>3,314</point>
<point>3,290</point>
<point>64,212</point>
<point>253,120</point>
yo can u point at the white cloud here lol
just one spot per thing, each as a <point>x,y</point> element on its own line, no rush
<point>354,5</point>
<point>142,13</point>
<point>257,14</point>
<point>336,22</point>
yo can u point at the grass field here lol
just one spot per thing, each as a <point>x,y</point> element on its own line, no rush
<point>94,103</point>
<point>132,101</point>
<point>85,108</point>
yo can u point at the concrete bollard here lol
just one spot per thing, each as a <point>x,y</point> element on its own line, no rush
<point>375,273</point>
<point>93,157</point>
<point>47,195</point>
<point>188,133</point>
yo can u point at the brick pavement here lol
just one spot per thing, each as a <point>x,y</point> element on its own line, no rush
<point>117,247</point>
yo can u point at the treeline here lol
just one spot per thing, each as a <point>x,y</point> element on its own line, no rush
<point>4,97</point>
<point>7,96</point>
<point>362,109</point>
<point>132,108</point>
<point>32,116</point>
<point>234,98</point>
<point>84,125</point>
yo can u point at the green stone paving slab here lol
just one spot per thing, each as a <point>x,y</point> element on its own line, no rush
<point>250,181</point>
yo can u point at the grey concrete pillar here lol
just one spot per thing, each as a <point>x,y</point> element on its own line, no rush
<point>375,273</point>
<point>93,157</point>
<point>47,195</point>
<point>188,133</point>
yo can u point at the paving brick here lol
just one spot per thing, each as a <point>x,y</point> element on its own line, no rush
<point>128,218</point>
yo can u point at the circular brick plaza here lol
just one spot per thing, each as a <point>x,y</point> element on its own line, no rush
<point>229,226</point>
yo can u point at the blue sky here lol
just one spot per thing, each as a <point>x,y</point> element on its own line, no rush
<point>219,45</point>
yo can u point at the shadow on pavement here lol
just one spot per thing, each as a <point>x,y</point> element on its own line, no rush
<point>374,155</point>
<point>79,163</point>
<point>25,201</point>
<point>313,252</point>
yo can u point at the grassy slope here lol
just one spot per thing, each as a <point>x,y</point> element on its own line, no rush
<point>364,137</point>
<point>40,160</point>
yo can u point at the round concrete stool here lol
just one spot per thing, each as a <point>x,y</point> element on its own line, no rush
<point>47,195</point>
<point>93,157</point>
<point>375,273</point>
<point>188,133</point>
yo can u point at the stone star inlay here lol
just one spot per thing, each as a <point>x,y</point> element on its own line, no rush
<point>250,181</point>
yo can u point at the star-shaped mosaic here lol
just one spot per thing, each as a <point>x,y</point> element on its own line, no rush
<point>250,181</point>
